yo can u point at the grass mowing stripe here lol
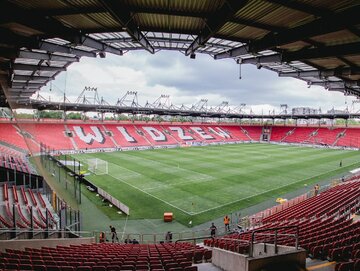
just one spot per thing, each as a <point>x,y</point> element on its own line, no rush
<point>279,187</point>
<point>155,197</point>
<point>145,192</point>
<point>209,181</point>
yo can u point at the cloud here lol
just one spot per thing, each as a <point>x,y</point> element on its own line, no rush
<point>189,80</point>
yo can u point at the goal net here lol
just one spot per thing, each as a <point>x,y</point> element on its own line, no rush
<point>97,166</point>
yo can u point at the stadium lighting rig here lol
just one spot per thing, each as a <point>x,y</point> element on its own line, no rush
<point>130,99</point>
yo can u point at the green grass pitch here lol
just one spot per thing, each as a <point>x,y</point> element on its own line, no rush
<point>202,183</point>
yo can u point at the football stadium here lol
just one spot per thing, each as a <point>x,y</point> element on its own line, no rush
<point>93,183</point>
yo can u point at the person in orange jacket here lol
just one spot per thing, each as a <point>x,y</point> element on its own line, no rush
<point>227,223</point>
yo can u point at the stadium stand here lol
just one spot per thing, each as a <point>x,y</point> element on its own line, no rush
<point>17,204</point>
<point>326,226</point>
<point>11,136</point>
<point>253,132</point>
<point>326,136</point>
<point>46,132</point>
<point>166,257</point>
<point>14,162</point>
<point>90,136</point>
<point>299,135</point>
<point>350,139</point>
<point>278,133</point>
<point>307,135</point>
<point>155,135</point>
<point>82,136</point>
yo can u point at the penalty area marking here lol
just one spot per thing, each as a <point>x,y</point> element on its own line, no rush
<point>155,197</point>
<point>147,193</point>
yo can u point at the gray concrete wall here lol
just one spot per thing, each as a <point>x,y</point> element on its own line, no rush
<point>22,244</point>
<point>228,260</point>
<point>287,256</point>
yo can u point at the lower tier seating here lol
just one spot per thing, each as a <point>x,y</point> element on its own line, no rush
<point>107,257</point>
<point>327,228</point>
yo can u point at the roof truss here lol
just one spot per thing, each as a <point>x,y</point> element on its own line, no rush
<point>320,26</point>
<point>120,12</point>
<point>213,24</point>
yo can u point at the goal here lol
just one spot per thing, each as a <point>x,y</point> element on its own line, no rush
<point>97,166</point>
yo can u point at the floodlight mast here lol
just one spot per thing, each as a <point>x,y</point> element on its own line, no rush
<point>221,107</point>
<point>353,106</point>
<point>130,99</point>
<point>200,106</point>
<point>89,96</point>
<point>163,102</point>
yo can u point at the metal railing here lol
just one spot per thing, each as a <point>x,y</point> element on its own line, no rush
<point>20,234</point>
<point>276,235</point>
<point>194,239</point>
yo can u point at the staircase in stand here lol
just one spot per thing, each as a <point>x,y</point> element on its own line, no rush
<point>246,133</point>
<point>311,136</point>
<point>340,135</point>
<point>287,134</point>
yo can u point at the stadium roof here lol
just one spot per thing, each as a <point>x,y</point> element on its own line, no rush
<point>314,40</point>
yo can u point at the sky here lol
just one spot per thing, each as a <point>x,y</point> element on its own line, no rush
<point>187,81</point>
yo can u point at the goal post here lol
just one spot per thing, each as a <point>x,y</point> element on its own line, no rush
<point>98,166</point>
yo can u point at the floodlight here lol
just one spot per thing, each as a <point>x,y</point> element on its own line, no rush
<point>192,55</point>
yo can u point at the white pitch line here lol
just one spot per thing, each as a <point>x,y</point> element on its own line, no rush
<point>155,197</point>
<point>220,206</point>
<point>180,183</point>
<point>133,186</point>
<point>176,166</point>
<point>152,223</point>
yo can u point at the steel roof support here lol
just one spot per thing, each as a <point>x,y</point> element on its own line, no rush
<point>27,85</point>
<point>302,7</point>
<point>50,26</point>
<point>302,54</point>
<point>320,26</point>
<point>53,47</point>
<point>322,73</point>
<point>32,78</point>
<point>213,25</point>
<point>121,13</point>
<point>322,52</point>
<point>47,56</point>
<point>26,67</point>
